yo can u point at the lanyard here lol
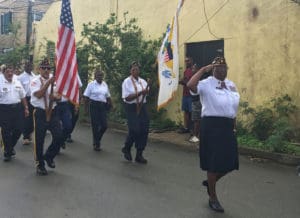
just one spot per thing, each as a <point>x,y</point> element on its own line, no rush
<point>135,89</point>
<point>44,97</point>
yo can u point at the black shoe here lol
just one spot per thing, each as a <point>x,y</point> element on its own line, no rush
<point>69,140</point>
<point>216,206</point>
<point>97,148</point>
<point>63,146</point>
<point>41,171</point>
<point>6,157</point>
<point>205,183</point>
<point>50,162</point>
<point>13,152</point>
<point>127,154</point>
<point>140,159</point>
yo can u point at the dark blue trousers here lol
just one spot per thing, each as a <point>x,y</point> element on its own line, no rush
<point>75,117</point>
<point>64,113</point>
<point>138,127</point>
<point>28,121</point>
<point>98,114</point>
<point>11,120</point>
<point>40,127</point>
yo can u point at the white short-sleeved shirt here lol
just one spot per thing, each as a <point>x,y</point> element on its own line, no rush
<point>97,92</point>
<point>216,101</point>
<point>36,85</point>
<point>11,92</point>
<point>128,88</point>
<point>25,79</point>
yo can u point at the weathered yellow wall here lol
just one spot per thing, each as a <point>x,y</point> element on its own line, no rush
<point>261,38</point>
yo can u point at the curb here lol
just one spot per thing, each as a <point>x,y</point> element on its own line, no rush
<point>285,159</point>
<point>276,157</point>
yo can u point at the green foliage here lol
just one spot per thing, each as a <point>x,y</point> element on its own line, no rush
<point>112,46</point>
<point>158,123</point>
<point>17,56</point>
<point>270,124</point>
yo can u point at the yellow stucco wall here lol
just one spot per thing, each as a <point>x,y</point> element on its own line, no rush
<point>261,38</point>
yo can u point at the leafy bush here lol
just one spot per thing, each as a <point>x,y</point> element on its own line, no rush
<point>269,124</point>
<point>112,46</point>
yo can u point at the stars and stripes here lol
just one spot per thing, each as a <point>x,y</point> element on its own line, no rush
<point>66,61</point>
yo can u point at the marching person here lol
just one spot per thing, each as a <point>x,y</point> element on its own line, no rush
<point>45,118</point>
<point>97,97</point>
<point>12,95</point>
<point>134,92</point>
<point>74,112</point>
<point>25,79</point>
<point>64,113</point>
<point>218,143</point>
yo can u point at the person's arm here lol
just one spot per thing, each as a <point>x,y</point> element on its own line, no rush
<point>234,125</point>
<point>25,104</point>
<point>40,93</point>
<point>133,96</point>
<point>193,82</point>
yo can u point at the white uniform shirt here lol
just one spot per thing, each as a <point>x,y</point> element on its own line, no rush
<point>97,92</point>
<point>216,101</point>
<point>11,92</point>
<point>25,79</point>
<point>36,85</point>
<point>128,88</point>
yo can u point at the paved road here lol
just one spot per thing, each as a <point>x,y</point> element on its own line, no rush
<point>88,184</point>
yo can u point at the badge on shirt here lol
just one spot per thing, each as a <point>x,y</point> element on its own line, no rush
<point>232,88</point>
<point>4,89</point>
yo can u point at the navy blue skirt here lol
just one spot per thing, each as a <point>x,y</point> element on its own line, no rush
<point>218,145</point>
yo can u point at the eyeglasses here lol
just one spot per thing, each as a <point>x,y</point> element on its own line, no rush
<point>46,68</point>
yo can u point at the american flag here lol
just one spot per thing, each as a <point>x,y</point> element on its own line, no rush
<point>66,63</point>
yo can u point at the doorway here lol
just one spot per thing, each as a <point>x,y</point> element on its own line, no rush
<point>203,53</point>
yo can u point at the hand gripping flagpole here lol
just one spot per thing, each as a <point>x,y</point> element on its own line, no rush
<point>140,105</point>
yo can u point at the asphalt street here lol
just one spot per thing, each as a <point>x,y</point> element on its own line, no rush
<point>89,184</point>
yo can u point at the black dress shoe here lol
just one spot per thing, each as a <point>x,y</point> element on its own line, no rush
<point>69,140</point>
<point>41,171</point>
<point>13,152</point>
<point>205,183</point>
<point>6,157</point>
<point>216,206</point>
<point>63,146</point>
<point>127,154</point>
<point>50,162</point>
<point>140,159</point>
<point>97,148</point>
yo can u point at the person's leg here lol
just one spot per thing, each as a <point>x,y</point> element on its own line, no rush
<point>131,136</point>
<point>66,119</point>
<point>55,128</point>
<point>94,113</point>
<point>212,179</point>
<point>102,122</point>
<point>184,108</point>
<point>75,116</point>
<point>40,128</point>
<point>17,123</point>
<point>28,124</point>
<point>143,133</point>
<point>7,141</point>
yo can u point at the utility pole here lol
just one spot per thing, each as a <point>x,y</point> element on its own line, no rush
<point>29,22</point>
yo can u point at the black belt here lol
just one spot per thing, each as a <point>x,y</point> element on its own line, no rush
<point>62,102</point>
<point>97,102</point>
<point>10,105</point>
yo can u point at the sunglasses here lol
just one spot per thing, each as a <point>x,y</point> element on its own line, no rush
<point>46,68</point>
